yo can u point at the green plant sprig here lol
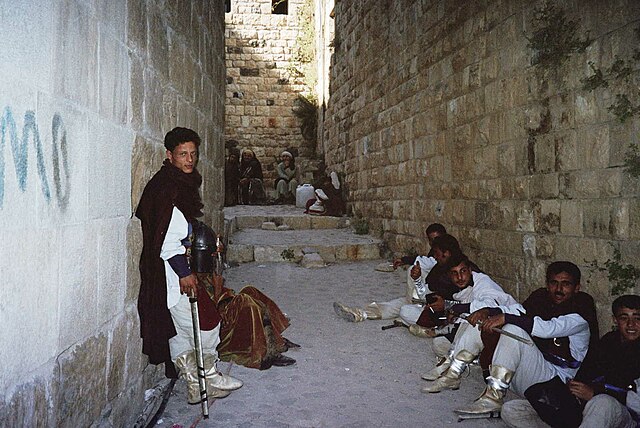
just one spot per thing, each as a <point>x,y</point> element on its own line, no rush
<point>622,276</point>
<point>554,38</point>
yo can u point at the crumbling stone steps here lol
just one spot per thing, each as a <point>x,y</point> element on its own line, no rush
<point>260,245</point>
<point>293,221</point>
<point>283,233</point>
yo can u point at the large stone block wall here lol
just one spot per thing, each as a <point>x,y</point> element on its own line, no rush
<point>88,91</point>
<point>261,89</point>
<point>436,114</point>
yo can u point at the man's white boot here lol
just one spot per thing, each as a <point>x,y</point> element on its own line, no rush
<point>493,396</point>
<point>438,370</point>
<point>188,370</point>
<point>418,330</point>
<point>452,377</point>
<point>349,314</point>
<point>217,380</point>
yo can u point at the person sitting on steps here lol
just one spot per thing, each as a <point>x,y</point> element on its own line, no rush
<point>287,181</point>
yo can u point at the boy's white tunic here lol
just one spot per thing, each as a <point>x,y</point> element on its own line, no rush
<point>177,303</point>
<point>484,293</point>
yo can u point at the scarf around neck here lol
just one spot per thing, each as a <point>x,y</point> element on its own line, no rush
<point>188,196</point>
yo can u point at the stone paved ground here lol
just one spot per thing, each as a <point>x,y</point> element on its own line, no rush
<point>346,375</point>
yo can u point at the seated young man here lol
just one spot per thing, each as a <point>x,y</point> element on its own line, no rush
<point>476,291</point>
<point>442,247</point>
<point>606,384</point>
<point>561,320</point>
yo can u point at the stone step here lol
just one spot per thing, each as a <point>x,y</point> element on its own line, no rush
<point>253,217</point>
<point>259,245</point>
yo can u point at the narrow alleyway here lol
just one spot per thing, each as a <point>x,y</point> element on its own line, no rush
<point>346,375</point>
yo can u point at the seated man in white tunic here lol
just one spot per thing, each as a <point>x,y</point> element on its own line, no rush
<point>606,385</point>
<point>477,291</point>
<point>425,269</point>
<point>561,320</point>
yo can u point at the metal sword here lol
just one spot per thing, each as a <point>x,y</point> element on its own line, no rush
<point>197,339</point>
<point>396,323</point>
<point>219,249</point>
<point>502,332</point>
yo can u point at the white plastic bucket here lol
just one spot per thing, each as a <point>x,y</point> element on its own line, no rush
<point>303,194</point>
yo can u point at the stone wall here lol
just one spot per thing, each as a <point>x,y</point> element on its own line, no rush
<point>261,86</point>
<point>88,91</point>
<point>437,114</point>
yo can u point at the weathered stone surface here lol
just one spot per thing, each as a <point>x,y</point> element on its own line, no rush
<point>89,89</point>
<point>116,366</point>
<point>327,222</point>
<point>114,79</point>
<point>32,404</point>
<point>274,253</point>
<point>312,260</point>
<point>260,53</point>
<point>268,225</point>
<point>250,222</point>
<point>240,253</point>
<point>467,122</point>
<point>358,252</point>
<point>328,254</point>
<point>77,45</point>
<point>82,382</point>
<point>136,32</point>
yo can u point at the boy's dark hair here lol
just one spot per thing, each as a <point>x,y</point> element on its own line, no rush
<point>446,242</point>
<point>568,267</point>
<point>177,136</point>
<point>436,227</point>
<point>630,301</point>
<point>456,259</point>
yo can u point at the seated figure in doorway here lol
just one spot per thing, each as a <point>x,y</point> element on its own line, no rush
<point>287,181</point>
<point>328,200</point>
<point>251,189</point>
<point>231,178</point>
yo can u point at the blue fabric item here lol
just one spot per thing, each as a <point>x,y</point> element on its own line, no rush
<point>560,362</point>
<point>186,242</point>
<point>180,265</point>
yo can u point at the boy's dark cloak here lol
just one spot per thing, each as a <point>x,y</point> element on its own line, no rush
<point>169,187</point>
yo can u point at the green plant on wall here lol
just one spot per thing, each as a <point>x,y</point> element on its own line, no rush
<point>622,276</point>
<point>288,254</point>
<point>306,109</point>
<point>632,161</point>
<point>360,226</point>
<point>302,64</point>
<point>623,108</point>
<point>554,37</point>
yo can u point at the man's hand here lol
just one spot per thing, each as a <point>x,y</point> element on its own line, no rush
<point>397,263</point>
<point>189,285</point>
<point>480,315</point>
<point>415,272</point>
<point>581,390</point>
<point>437,304</point>
<point>494,321</point>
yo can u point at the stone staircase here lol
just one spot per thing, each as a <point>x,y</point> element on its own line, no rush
<point>283,233</point>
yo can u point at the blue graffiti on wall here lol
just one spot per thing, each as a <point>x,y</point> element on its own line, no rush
<point>20,152</point>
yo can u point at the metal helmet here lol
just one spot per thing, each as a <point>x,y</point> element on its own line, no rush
<point>203,248</point>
